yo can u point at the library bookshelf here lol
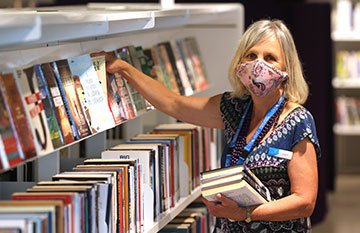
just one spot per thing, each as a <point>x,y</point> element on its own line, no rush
<point>35,36</point>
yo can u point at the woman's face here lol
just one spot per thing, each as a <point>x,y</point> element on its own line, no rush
<point>268,50</point>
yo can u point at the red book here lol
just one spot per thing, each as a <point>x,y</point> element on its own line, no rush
<point>15,107</point>
<point>10,153</point>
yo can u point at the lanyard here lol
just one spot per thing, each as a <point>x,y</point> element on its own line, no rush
<point>248,147</point>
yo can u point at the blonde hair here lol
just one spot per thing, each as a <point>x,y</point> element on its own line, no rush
<point>295,88</point>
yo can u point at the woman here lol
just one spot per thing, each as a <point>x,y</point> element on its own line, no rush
<point>264,112</point>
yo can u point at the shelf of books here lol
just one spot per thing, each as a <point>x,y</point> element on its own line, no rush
<point>55,92</point>
<point>168,216</point>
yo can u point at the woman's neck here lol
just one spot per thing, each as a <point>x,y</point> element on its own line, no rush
<point>261,105</point>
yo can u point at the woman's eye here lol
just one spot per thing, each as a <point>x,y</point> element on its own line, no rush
<point>270,58</point>
<point>251,56</point>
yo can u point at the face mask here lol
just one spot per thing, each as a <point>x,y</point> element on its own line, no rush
<point>259,77</point>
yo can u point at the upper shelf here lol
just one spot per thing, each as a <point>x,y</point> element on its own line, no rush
<point>350,83</point>
<point>29,27</point>
<point>345,36</point>
<point>17,27</point>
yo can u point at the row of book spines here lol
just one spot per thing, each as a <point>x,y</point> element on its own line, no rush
<point>347,110</point>
<point>124,182</point>
<point>194,219</point>
<point>64,131</point>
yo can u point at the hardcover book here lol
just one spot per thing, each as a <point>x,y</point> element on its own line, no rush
<point>171,58</point>
<point>164,58</point>
<point>49,80</point>
<point>237,183</point>
<point>29,90</point>
<point>110,89</point>
<point>49,108</point>
<point>18,116</point>
<point>71,101</point>
<point>11,153</point>
<point>125,96</point>
<point>125,54</point>
<point>83,68</point>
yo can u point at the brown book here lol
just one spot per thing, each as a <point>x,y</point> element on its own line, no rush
<point>15,107</point>
<point>72,103</point>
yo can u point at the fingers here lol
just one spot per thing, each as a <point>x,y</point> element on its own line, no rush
<point>223,207</point>
<point>226,202</point>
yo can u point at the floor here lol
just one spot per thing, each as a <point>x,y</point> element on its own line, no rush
<point>344,207</point>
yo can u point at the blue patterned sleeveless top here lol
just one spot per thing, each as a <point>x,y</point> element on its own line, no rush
<point>272,171</point>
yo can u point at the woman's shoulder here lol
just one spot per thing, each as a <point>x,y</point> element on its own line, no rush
<point>295,111</point>
<point>300,123</point>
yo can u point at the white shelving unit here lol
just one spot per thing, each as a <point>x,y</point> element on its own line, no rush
<point>346,136</point>
<point>350,83</point>
<point>35,36</point>
<point>166,217</point>
<point>347,130</point>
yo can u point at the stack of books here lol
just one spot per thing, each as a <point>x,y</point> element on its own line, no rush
<point>237,183</point>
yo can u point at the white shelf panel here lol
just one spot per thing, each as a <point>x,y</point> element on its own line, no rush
<point>350,130</point>
<point>18,28</point>
<point>170,214</point>
<point>350,83</point>
<point>345,36</point>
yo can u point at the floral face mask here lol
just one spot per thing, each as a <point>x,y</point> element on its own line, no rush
<point>259,77</point>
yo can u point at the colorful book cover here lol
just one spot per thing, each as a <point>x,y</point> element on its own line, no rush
<point>10,153</point>
<point>185,81</point>
<point>72,103</point>
<point>174,67</point>
<point>137,99</point>
<point>82,66</point>
<point>113,89</point>
<point>53,124</point>
<point>49,79</point>
<point>193,50</point>
<point>158,66</point>
<point>18,116</point>
<point>190,71</point>
<point>125,96</point>
<point>147,67</point>
<point>146,61</point>
<point>164,58</point>
<point>110,90</point>
<point>29,91</point>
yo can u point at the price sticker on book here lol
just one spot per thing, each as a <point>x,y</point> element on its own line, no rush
<point>284,154</point>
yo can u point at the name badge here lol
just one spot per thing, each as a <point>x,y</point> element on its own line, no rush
<point>284,154</point>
